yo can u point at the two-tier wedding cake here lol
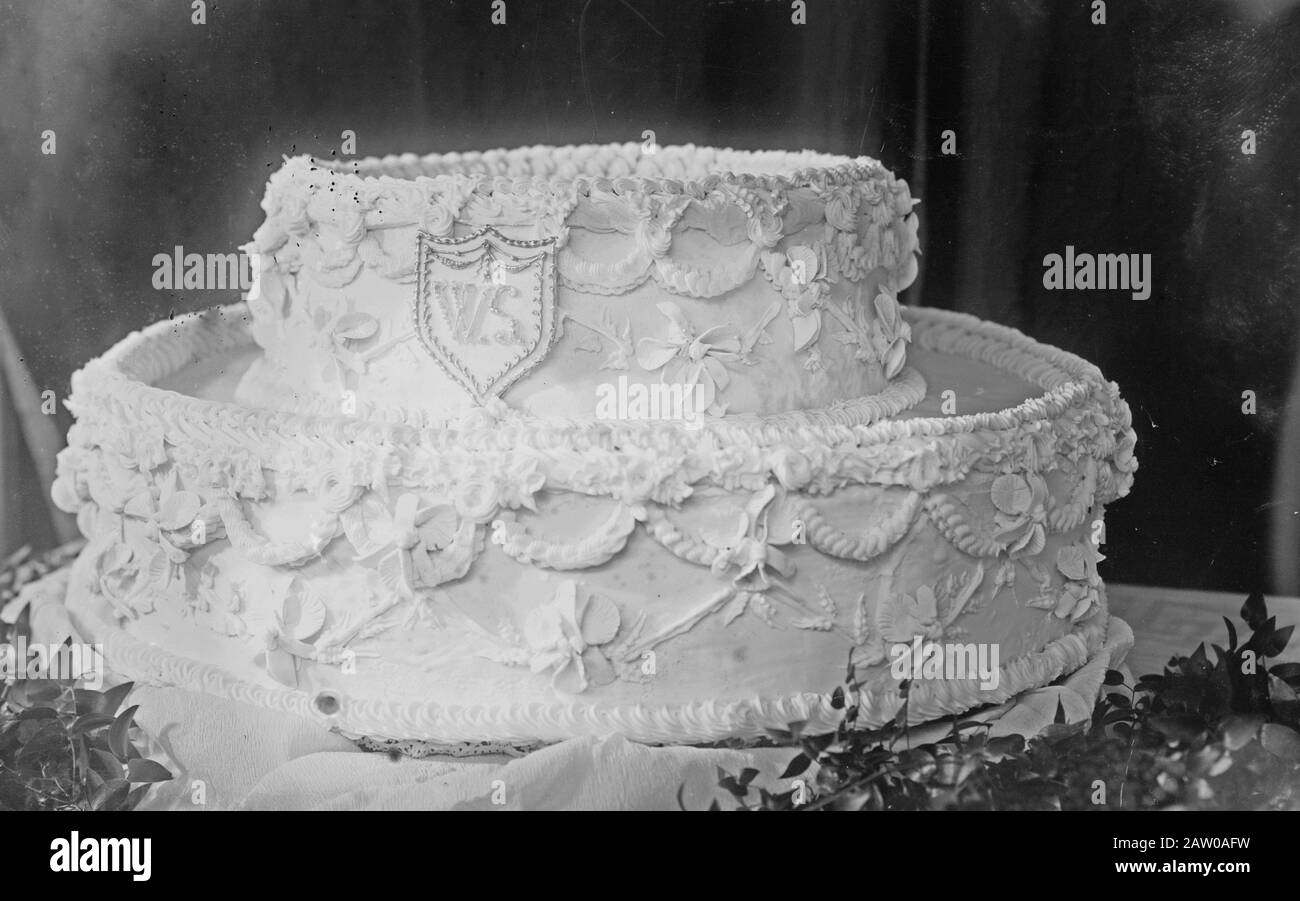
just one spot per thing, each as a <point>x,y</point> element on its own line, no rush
<point>511,447</point>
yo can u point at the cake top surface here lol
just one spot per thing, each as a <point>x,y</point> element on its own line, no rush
<point>684,169</point>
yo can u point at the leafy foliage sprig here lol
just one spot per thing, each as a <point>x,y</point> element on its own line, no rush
<point>63,747</point>
<point>1221,733</point>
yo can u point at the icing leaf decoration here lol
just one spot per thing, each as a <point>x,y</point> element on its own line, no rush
<point>805,264</point>
<point>679,329</point>
<point>160,570</point>
<point>806,329</point>
<point>735,607</point>
<point>1070,561</point>
<point>304,615</point>
<point>654,353</point>
<point>439,528</point>
<point>903,617</point>
<point>599,621</point>
<point>727,539</point>
<point>366,525</point>
<point>895,358</point>
<point>1011,494</point>
<point>758,334</point>
<point>355,326</point>
<point>598,668</point>
<point>280,664</point>
<point>890,318</point>
<point>179,510</point>
<point>140,506</point>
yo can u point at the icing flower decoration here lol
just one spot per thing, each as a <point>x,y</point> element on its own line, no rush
<point>70,490</point>
<point>148,448</point>
<point>1022,514</point>
<point>656,218</point>
<point>175,511</point>
<point>1078,563</point>
<point>236,472</point>
<point>218,610</point>
<point>842,208</point>
<point>689,358</point>
<point>1077,600</point>
<point>743,544</point>
<point>338,491</point>
<point>1125,462</point>
<point>407,537</point>
<point>341,335</point>
<point>765,223</point>
<point>891,334</point>
<point>801,274</point>
<point>297,620</point>
<point>908,615</point>
<point>564,637</point>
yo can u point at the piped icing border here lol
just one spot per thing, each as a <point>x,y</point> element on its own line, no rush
<point>120,381</point>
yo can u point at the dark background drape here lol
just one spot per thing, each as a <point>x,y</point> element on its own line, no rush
<point>1122,137</point>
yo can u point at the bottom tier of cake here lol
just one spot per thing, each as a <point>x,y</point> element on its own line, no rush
<point>512,581</point>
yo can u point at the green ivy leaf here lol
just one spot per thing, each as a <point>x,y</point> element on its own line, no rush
<point>117,734</point>
<point>1276,641</point>
<point>48,743</point>
<point>797,766</point>
<point>104,763</point>
<point>89,723</point>
<point>137,795</point>
<point>37,713</point>
<point>145,770</point>
<point>112,795</point>
<point>1232,634</point>
<point>1287,672</point>
<point>86,700</point>
<point>1254,611</point>
<point>113,698</point>
<point>1113,677</point>
<point>37,691</point>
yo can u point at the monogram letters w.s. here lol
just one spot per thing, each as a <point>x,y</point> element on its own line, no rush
<point>473,313</point>
<point>485,307</point>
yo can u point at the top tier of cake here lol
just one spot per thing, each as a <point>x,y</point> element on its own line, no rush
<point>422,288</point>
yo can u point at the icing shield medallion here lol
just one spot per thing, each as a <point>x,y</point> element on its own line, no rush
<point>485,307</point>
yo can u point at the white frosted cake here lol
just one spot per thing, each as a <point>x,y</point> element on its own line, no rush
<point>512,447</point>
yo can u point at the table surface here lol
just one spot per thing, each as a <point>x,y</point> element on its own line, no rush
<point>1172,621</point>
